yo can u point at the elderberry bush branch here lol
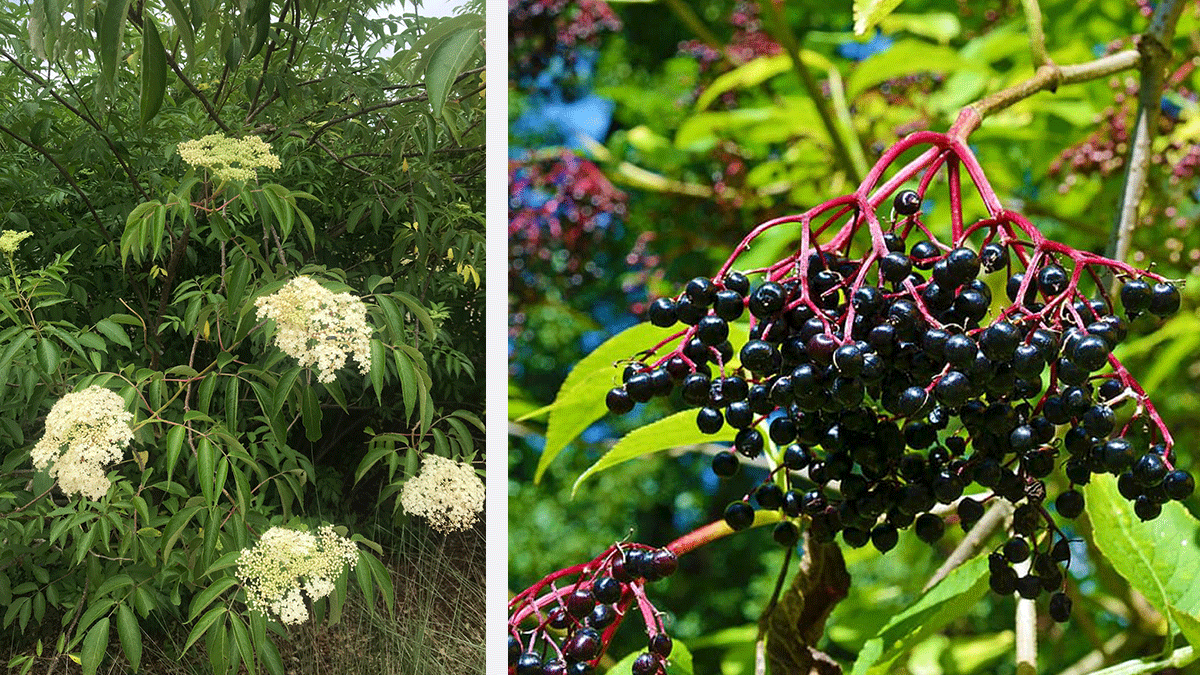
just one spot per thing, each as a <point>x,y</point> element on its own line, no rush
<point>1155,53</point>
<point>887,379</point>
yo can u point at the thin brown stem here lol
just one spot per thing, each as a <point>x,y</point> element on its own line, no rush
<point>1154,49</point>
<point>1046,78</point>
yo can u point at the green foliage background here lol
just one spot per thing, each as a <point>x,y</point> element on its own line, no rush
<point>142,273</point>
<point>757,149</point>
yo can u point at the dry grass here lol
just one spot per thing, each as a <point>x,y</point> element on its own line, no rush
<point>437,625</point>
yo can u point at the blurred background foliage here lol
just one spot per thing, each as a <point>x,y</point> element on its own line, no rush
<point>646,139</point>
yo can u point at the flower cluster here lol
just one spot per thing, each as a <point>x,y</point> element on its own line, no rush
<point>229,158</point>
<point>285,562</point>
<point>319,327</point>
<point>446,492</point>
<point>11,239</point>
<point>94,426</point>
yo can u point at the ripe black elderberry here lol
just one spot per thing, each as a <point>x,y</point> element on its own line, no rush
<point>906,202</point>
<point>584,645</point>
<point>646,664</point>
<point>739,515</point>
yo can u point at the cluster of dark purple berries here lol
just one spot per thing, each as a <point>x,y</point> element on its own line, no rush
<point>585,614</point>
<point>887,386</point>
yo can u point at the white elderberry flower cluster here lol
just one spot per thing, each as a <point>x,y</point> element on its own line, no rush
<point>11,239</point>
<point>285,562</point>
<point>318,327</point>
<point>93,427</point>
<point>447,493</point>
<point>229,158</point>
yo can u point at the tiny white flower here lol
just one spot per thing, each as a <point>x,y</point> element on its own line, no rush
<point>318,327</point>
<point>229,158</point>
<point>85,432</point>
<point>11,239</point>
<point>447,493</point>
<point>284,562</point>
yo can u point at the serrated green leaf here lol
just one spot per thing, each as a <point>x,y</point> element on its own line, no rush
<point>950,599</point>
<point>112,22</point>
<point>203,625</point>
<point>670,432</point>
<point>174,445</point>
<point>756,72</point>
<point>378,367</point>
<point>449,58</point>
<point>1157,558</point>
<point>154,69</point>
<point>130,634</point>
<point>206,462</point>
<point>48,356</point>
<point>94,646</point>
<point>867,13</point>
<point>311,415</point>
<point>113,332</point>
<point>580,401</point>
<point>905,57</point>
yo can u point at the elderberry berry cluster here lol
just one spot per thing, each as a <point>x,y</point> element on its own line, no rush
<point>887,385</point>
<point>573,625</point>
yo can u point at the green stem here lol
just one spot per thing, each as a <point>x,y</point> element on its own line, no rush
<point>791,45</point>
<point>1037,36</point>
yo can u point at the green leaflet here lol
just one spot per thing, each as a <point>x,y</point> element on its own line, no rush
<point>904,58</point>
<point>867,13</point>
<point>154,70</point>
<point>671,432</point>
<point>756,72</point>
<point>112,23</point>
<point>1157,558</point>
<point>94,646</point>
<point>580,400</point>
<point>449,59</point>
<point>950,599</point>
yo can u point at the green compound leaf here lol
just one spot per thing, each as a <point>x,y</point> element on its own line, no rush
<point>671,432</point>
<point>951,598</point>
<point>867,13</point>
<point>680,662</point>
<point>755,72</point>
<point>580,401</point>
<point>1158,558</point>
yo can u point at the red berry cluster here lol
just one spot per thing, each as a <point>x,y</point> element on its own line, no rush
<point>565,631</point>
<point>889,382</point>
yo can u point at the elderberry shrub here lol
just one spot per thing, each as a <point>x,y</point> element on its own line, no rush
<point>894,382</point>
